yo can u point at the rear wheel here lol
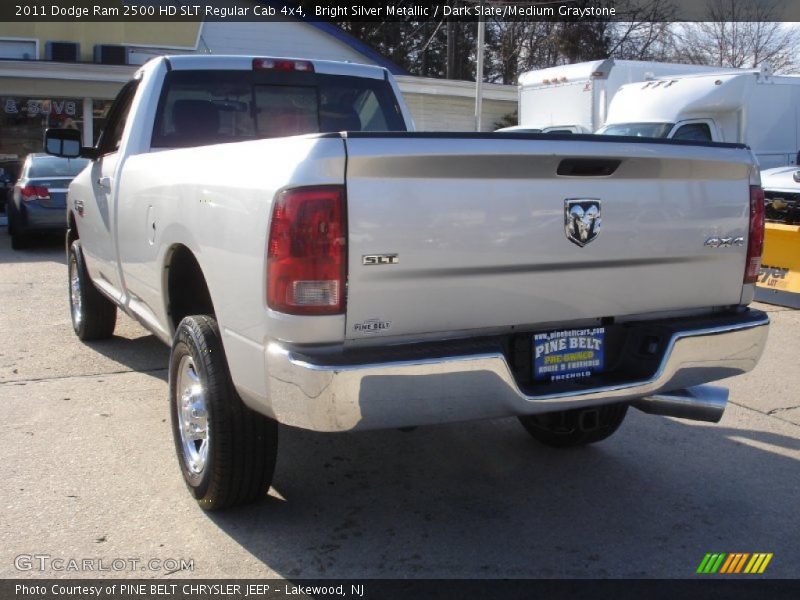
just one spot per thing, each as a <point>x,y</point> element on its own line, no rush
<point>576,427</point>
<point>226,451</point>
<point>93,315</point>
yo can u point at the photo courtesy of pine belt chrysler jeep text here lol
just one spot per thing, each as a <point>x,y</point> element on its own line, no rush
<point>313,261</point>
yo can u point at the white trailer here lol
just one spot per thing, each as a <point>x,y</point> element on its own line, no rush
<point>752,107</point>
<point>576,97</point>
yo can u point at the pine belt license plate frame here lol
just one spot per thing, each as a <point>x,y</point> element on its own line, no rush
<point>568,354</point>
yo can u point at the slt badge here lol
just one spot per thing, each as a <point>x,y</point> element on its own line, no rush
<point>582,220</point>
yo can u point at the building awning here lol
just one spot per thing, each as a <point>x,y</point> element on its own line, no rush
<point>81,80</point>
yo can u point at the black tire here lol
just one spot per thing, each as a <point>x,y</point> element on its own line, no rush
<point>19,239</point>
<point>93,315</point>
<point>578,427</point>
<point>236,464</point>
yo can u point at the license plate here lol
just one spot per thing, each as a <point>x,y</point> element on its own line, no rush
<point>570,354</point>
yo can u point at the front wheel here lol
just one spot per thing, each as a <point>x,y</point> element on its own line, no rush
<point>226,451</point>
<point>93,315</point>
<point>577,427</point>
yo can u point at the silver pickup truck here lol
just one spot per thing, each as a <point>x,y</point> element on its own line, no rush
<point>314,262</point>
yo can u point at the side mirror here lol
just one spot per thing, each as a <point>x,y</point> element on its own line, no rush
<point>65,143</point>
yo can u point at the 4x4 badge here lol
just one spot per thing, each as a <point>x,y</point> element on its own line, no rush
<point>582,220</point>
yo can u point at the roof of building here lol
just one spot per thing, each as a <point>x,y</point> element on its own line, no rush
<point>359,46</point>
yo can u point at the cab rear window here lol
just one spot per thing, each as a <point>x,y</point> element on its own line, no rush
<point>208,107</point>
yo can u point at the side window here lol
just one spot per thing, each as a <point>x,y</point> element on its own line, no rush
<point>370,113</point>
<point>696,132</point>
<point>358,105</point>
<point>117,117</point>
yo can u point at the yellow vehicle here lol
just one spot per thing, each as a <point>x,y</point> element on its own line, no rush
<point>779,280</point>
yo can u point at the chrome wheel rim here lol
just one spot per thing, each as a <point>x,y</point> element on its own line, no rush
<point>192,416</point>
<point>75,291</point>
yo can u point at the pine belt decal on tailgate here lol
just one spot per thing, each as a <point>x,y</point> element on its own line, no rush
<point>372,326</point>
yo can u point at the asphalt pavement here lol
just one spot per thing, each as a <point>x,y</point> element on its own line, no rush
<point>89,474</point>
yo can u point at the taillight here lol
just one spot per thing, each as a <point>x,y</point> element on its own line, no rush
<point>755,238</point>
<point>282,64</point>
<point>30,193</point>
<point>307,254</point>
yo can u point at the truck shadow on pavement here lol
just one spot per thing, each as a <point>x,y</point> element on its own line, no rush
<point>484,500</point>
<point>42,248</point>
<point>145,354</point>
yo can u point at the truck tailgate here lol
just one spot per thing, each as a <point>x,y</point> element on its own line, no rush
<point>449,233</point>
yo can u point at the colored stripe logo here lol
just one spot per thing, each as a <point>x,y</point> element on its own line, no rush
<point>734,563</point>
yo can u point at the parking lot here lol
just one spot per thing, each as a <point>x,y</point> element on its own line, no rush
<point>88,471</point>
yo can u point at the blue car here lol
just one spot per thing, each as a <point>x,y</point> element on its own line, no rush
<point>39,200</point>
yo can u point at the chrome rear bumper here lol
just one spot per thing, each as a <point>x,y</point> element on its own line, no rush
<point>305,393</point>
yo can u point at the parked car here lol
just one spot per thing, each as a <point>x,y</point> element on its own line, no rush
<point>554,129</point>
<point>518,129</point>
<point>38,201</point>
<point>782,192</point>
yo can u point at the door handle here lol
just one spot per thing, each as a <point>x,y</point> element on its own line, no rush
<point>104,183</point>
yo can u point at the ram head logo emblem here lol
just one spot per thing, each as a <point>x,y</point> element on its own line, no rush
<point>582,220</point>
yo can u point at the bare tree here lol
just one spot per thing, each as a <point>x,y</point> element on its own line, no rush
<point>740,34</point>
<point>643,30</point>
<point>506,51</point>
<point>517,46</point>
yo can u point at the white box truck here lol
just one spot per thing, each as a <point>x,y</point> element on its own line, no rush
<point>752,107</point>
<point>575,98</point>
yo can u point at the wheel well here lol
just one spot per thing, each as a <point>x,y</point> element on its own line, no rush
<point>72,230</point>
<point>187,291</point>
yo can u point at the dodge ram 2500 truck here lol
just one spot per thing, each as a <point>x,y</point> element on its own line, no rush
<point>314,262</point>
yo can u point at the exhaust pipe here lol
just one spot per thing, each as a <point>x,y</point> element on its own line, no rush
<point>698,403</point>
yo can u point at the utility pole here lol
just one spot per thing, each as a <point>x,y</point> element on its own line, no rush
<point>451,49</point>
<point>479,72</point>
